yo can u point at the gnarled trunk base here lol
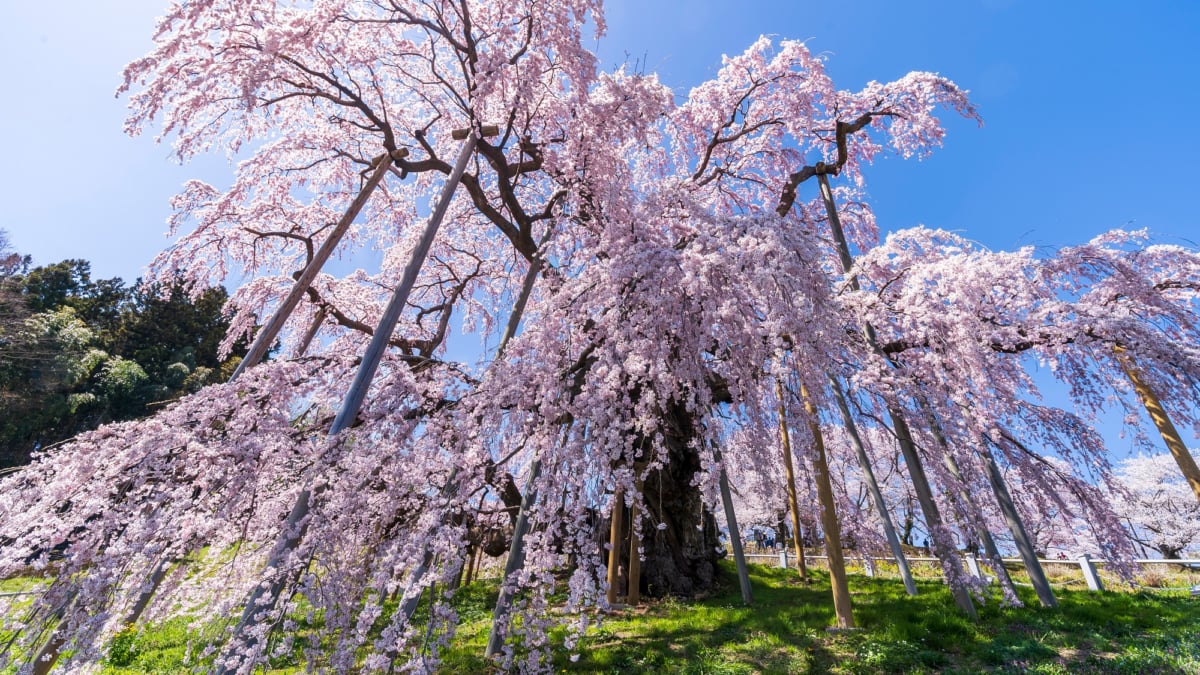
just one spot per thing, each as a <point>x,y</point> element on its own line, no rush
<point>681,558</point>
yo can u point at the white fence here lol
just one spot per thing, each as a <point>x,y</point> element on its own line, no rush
<point>1083,570</point>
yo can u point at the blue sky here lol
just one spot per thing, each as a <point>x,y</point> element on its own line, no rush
<point>1088,113</point>
<point>1088,110</point>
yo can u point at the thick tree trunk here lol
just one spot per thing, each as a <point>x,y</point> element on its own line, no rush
<point>681,542</point>
<point>681,556</point>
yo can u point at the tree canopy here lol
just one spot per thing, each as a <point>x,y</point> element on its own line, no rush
<point>667,261</point>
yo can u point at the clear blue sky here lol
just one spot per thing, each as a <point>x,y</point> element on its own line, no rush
<point>1088,110</point>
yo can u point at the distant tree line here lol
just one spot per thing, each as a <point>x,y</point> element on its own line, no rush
<point>78,352</point>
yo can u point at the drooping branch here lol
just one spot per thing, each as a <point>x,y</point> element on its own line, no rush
<point>843,131</point>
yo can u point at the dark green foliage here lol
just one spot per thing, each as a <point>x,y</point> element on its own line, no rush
<point>175,339</point>
<point>69,283</point>
<point>76,353</point>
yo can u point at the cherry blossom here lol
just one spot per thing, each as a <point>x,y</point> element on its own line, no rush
<point>664,272</point>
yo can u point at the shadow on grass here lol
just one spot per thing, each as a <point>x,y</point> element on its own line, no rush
<point>785,632</point>
<point>718,634</point>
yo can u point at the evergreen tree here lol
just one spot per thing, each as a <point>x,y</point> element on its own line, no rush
<point>77,353</point>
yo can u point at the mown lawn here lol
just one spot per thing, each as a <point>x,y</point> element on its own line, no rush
<point>785,632</point>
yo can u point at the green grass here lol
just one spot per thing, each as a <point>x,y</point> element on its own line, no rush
<point>785,632</point>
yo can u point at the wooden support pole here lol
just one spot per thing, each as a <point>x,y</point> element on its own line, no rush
<point>456,580</point>
<point>933,517</point>
<point>391,315</point>
<point>973,566</point>
<point>735,535</point>
<point>311,333</point>
<point>790,477</point>
<point>1090,575</point>
<point>835,226</point>
<point>477,569</point>
<point>889,530</point>
<point>1166,428</point>
<point>829,519</point>
<point>981,531</point>
<point>296,525</point>
<point>464,575</point>
<point>48,655</point>
<point>614,545</point>
<point>994,559</point>
<point>908,448</point>
<point>802,561</point>
<point>266,337</point>
<point>1037,576</point>
<point>485,131</point>
<point>156,577</point>
<point>1016,527</point>
<point>267,334</point>
<point>514,317</point>
<point>634,595</point>
<point>516,561</point>
<point>47,658</point>
<point>516,553</point>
